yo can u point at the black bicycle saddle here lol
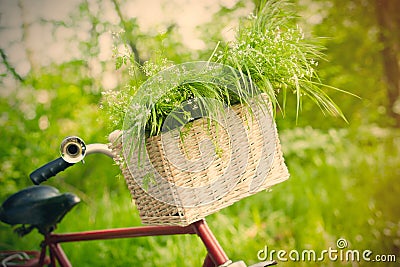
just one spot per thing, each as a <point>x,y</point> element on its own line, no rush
<point>41,207</point>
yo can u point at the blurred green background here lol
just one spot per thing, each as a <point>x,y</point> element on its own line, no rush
<point>57,59</point>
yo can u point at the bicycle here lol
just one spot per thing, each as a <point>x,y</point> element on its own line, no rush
<point>43,207</point>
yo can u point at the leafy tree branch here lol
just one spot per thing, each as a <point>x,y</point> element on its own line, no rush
<point>9,67</point>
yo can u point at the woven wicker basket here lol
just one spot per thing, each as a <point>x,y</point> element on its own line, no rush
<point>267,168</point>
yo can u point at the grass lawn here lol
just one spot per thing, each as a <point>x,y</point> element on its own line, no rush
<point>343,184</point>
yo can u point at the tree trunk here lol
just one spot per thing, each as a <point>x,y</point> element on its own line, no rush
<point>388,15</point>
<point>129,35</point>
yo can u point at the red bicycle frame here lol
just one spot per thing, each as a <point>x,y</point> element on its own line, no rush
<point>215,256</point>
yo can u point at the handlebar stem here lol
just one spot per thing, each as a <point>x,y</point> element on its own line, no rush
<point>99,149</point>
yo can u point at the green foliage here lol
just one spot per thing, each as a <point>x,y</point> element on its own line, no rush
<point>344,179</point>
<point>29,122</point>
<point>271,49</point>
<point>353,60</point>
<point>333,192</point>
<point>116,104</point>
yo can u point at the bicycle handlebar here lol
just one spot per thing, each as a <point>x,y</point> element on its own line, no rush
<point>73,150</point>
<point>49,170</point>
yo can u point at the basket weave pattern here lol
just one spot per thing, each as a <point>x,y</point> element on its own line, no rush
<point>153,211</point>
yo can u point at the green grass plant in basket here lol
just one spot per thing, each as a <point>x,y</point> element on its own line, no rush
<point>197,137</point>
